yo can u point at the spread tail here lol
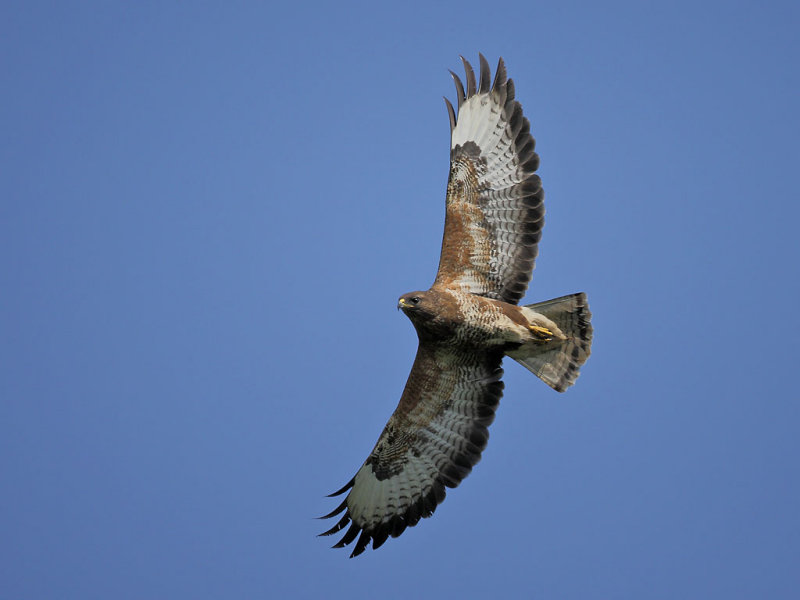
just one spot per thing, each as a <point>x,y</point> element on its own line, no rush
<point>557,361</point>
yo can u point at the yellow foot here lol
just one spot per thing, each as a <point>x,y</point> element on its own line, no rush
<point>542,333</point>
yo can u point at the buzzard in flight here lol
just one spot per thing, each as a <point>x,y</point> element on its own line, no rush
<point>468,320</point>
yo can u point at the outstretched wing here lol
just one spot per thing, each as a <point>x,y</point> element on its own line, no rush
<point>432,441</point>
<point>495,201</point>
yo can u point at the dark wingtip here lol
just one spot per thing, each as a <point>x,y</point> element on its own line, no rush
<point>338,527</point>
<point>460,95</point>
<point>346,487</point>
<point>500,75</point>
<point>348,537</point>
<point>336,511</point>
<point>361,544</point>
<point>471,85</point>
<point>486,74</point>
<point>379,537</point>
<point>452,114</point>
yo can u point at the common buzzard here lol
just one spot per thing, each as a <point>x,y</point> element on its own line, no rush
<point>468,320</point>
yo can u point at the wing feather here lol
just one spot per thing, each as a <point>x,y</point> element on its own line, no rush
<point>451,114</point>
<point>486,74</point>
<point>495,201</point>
<point>471,86</point>
<point>431,441</point>
<point>460,95</point>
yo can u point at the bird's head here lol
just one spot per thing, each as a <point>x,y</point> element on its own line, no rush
<point>419,308</point>
<point>412,303</point>
<point>428,311</point>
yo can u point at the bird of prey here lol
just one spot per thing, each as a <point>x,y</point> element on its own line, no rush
<point>468,320</point>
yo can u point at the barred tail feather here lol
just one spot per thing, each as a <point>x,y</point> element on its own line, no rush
<point>558,362</point>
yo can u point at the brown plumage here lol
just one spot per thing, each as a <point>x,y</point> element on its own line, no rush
<point>468,320</point>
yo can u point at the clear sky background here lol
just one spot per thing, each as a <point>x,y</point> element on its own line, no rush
<point>208,211</point>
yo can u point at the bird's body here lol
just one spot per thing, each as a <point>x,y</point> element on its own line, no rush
<point>455,318</point>
<point>468,321</point>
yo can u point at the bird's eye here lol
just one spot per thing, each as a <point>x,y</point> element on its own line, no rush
<point>415,300</point>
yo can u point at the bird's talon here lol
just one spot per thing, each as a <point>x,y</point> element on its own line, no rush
<point>543,333</point>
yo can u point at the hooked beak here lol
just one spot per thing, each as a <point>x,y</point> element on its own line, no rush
<point>401,303</point>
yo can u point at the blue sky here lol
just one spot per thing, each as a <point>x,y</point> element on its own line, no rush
<point>207,213</point>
